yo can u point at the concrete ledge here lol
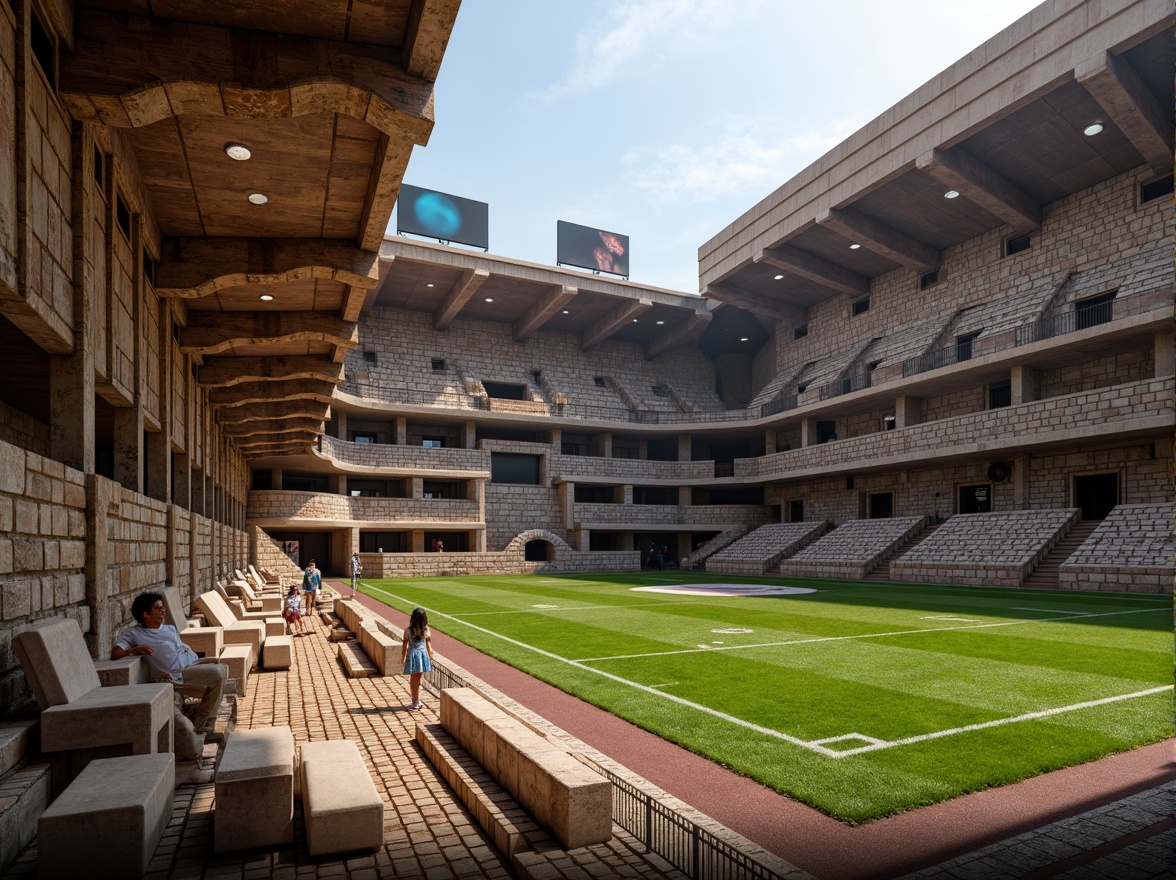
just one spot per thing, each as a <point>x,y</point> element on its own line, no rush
<point>108,822</point>
<point>340,804</point>
<point>255,790</point>
<point>116,673</point>
<point>355,662</point>
<point>207,641</point>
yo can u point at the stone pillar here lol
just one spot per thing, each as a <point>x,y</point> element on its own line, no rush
<point>1165,345</point>
<point>158,476</point>
<point>337,484</point>
<point>685,496</point>
<point>628,496</point>
<point>275,478</point>
<point>102,496</point>
<point>906,411</point>
<point>769,441</point>
<point>685,447</point>
<point>340,420</point>
<point>416,488</point>
<point>642,448</point>
<point>557,440</point>
<point>606,444</point>
<point>401,430</point>
<point>808,431</point>
<point>418,541</point>
<point>1020,479</point>
<point>128,447</point>
<point>181,479</point>
<point>1026,384</point>
<point>566,494</point>
<point>469,434</point>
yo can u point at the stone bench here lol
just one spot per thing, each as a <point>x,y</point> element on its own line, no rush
<point>109,820</point>
<point>340,804</point>
<point>354,661</point>
<point>279,652</point>
<point>127,670</point>
<point>205,641</point>
<point>254,790</point>
<point>239,660</point>
<point>236,632</point>
<point>565,796</point>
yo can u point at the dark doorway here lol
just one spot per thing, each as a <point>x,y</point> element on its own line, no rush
<point>311,545</point>
<point>826,431</point>
<point>538,551</point>
<point>976,499</point>
<point>796,510</point>
<point>882,505</point>
<point>1096,494</point>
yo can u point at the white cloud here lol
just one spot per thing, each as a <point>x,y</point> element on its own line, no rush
<point>645,32</point>
<point>736,160</point>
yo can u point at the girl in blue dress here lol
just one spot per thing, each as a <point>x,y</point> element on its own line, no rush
<point>416,653</point>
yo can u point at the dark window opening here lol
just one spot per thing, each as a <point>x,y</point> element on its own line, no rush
<point>438,365</point>
<point>882,505</point>
<point>660,390</point>
<point>433,442</point>
<point>443,489</point>
<point>369,357</point>
<point>700,497</point>
<point>375,488</point>
<point>661,449</point>
<point>512,435</point>
<point>826,431</point>
<point>505,390</point>
<point>507,467</point>
<point>148,268</point>
<point>655,495</point>
<point>889,423</point>
<point>364,437</point>
<point>570,447</point>
<point>964,346</point>
<point>1156,189</point>
<point>44,49</point>
<point>537,377</point>
<point>1000,395</point>
<point>384,542</point>
<point>123,216</point>
<point>1017,244</point>
<point>976,499</point>
<point>304,482</point>
<point>861,306</point>
<point>1094,310</point>
<point>1096,494</point>
<point>538,551</point>
<point>596,495</point>
<point>796,510</point>
<point>928,279</point>
<point>800,332</point>
<point>260,480</point>
<point>99,168</point>
<point>599,382</point>
<point>601,542</point>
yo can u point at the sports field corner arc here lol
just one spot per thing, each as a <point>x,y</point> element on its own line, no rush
<point>859,699</point>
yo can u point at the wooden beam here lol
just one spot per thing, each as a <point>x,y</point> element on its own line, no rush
<point>273,410</point>
<point>222,372</point>
<point>727,292</point>
<point>196,267</point>
<point>250,393</point>
<point>392,156</point>
<point>129,71</point>
<point>613,322</point>
<point>684,333</point>
<point>880,239</point>
<point>975,181</point>
<point>467,285</point>
<point>550,303</point>
<point>272,427</point>
<point>430,22</point>
<point>211,333</point>
<point>1113,82</point>
<point>797,262</point>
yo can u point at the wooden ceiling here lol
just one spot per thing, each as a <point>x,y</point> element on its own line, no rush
<point>1008,153</point>
<point>329,97</point>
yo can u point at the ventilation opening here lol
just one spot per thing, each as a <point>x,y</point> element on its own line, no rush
<point>800,332</point>
<point>438,365</point>
<point>1017,244</point>
<point>369,357</point>
<point>599,382</point>
<point>1156,189</point>
<point>505,390</point>
<point>928,279</point>
<point>861,306</point>
<point>44,49</point>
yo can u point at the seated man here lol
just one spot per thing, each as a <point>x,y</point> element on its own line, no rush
<point>170,659</point>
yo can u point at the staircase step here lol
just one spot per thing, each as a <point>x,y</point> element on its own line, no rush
<point>16,743</point>
<point>24,796</point>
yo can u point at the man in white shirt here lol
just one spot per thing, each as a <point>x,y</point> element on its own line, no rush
<point>170,659</point>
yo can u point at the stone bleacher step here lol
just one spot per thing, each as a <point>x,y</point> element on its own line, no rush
<point>24,788</point>
<point>882,572</point>
<point>355,661</point>
<point>1045,575</point>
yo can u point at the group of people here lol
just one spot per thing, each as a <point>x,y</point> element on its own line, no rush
<point>658,553</point>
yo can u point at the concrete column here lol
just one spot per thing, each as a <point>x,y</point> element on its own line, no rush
<point>1165,343</point>
<point>685,496</point>
<point>606,444</point>
<point>417,488</point>
<point>480,541</point>
<point>401,430</point>
<point>196,504</point>
<point>1026,384</point>
<point>566,495</point>
<point>418,541</point>
<point>628,496</point>
<point>642,448</point>
<point>557,440</point>
<point>769,441</point>
<point>685,447</point>
<point>1020,480</point>
<point>685,539</point>
<point>808,431</point>
<point>101,496</point>
<point>181,480</point>
<point>906,411</point>
<point>340,423</point>
<point>469,435</point>
<point>275,478</point>
<point>158,476</point>
<point>337,484</point>
<point>128,447</point>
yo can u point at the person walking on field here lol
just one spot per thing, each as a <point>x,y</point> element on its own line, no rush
<point>416,653</point>
<point>356,571</point>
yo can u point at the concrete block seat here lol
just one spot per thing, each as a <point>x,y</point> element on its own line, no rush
<point>570,799</point>
<point>206,641</point>
<point>341,807</point>
<point>77,712</point>
<point>109,820</point>
<point>254,600</point>
<point>254,790</point>
<point>279,651</point>
<point>236,632</point>
<point>240,661</point>
<point>124,671</point>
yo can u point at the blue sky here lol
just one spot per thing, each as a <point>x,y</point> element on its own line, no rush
<point>667,119</point>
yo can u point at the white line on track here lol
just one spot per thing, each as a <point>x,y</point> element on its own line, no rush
<point>767,731</point>
<point>901,632</point>
<point>564,608</point>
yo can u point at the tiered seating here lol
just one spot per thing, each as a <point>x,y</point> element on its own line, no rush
<point>1132,548</point>
<point>854,548</point>
<point>719,542</point>
<point>25,783</point>
<point>765,547</point>
<point>995,549</point>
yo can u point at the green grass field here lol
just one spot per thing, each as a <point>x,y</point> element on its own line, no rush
<point>859,699</point>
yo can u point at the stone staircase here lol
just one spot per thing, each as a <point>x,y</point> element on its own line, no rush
<point>882,572</point>
<point>24,787</point>
<point>1045,576</point>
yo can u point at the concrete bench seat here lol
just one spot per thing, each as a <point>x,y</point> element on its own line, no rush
<point>279,652</point>
<point>205,641</point>
<point>76,711</point>
<point>254,790</point>
<point>340,805</point>
<point>355,662</point>
<point>239,660</point>
<point>124,671</point>
<point>109,820</point>
<point>236,632</point>
<point>570,799</point>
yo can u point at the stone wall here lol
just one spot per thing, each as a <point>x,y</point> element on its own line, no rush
<point>1131,549</point>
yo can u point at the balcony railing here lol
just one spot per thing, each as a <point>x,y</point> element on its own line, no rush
<point>1078,319</point>
<point>779,405</point>
<point>845,386</point>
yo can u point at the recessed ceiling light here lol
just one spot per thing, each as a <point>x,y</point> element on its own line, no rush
<point>1092,129</point>
<point>565,311</point>
<point>659,323</point>
<point>266,297</point>
<point>428,285</point>
<point>951,194</point>
<point>240,152</point>
<point>634,320</point>
<point>779,278</point>
<point>489,299</point>
<point>743,339</point>
<point>854,246</point>
<point>257,198</point>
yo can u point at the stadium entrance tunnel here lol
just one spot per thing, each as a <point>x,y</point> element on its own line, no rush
<point>539,550</point>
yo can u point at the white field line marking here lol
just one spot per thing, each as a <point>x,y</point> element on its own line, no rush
<point>767,731</point>
<point>903,632</point>
<point>1048,610</point>
<point>1029,716</point>
<point>536,610</point>
<point>960,619</point>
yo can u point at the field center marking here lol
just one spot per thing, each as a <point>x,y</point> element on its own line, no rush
<point>539,609</point>
<point>767,731</point>
<point>960,619</point>
<point>901,632</point>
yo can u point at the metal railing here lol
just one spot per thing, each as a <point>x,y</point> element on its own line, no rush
<point>941,357</point>
<point>779,405</point>
<point>845,386</point>
<point>682,842</point>
<point>1079,318</point>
